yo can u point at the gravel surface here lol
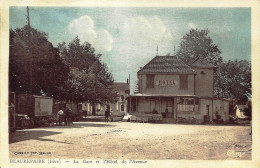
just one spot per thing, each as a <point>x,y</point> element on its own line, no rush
<point>123,140</point>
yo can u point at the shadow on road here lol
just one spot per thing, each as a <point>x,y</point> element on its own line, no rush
<point>202,124</point>
<point>28,134</point>
<point>24,135</point>
<point>82,125</point>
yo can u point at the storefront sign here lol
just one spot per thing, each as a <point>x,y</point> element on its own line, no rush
<point>166,83</point>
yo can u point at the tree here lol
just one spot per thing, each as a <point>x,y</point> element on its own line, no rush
<point>198,44</point>
<point>234,80</point>
<point>34,50</point>
<point>221,81</point>
<point>89,79</point>
<point>248,110</point>
<point>78,56</point>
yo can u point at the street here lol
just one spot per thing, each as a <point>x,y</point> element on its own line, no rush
<point>124,140</point>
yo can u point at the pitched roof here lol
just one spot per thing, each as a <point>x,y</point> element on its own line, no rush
<point>166,64</point>
<point>242,107</point>
<point>202,63</point>
<point>121,86</point>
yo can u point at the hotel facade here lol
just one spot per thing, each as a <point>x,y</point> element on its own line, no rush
<point>178,91</point>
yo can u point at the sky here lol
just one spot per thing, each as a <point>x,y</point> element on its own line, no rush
<point>127,38</point>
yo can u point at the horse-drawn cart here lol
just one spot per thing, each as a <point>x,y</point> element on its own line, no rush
<point>38,110</point>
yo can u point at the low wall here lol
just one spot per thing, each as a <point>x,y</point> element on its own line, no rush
<point>190,118</point>
<point>143,117</point>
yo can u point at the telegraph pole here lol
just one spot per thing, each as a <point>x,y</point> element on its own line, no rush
<point>95,92</point>
<point>130,95</point>
<point>29,47</point>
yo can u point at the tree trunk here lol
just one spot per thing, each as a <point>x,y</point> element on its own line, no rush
<point>77,107</point>
<point>93,108</point>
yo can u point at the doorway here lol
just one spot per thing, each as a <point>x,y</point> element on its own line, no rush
<point>207,110</point>
<point>170,108</point>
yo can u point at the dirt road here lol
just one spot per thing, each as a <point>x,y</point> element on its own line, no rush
<point>122,140</point>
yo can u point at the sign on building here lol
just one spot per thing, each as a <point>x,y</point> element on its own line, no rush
<point>166,82</point>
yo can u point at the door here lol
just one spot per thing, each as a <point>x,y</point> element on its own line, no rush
<point>152,106</point>
<point>169,106</point>
<point>207,117</point>
<point>207,110</point>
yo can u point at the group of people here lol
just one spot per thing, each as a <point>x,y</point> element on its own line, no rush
<point>65,116</point>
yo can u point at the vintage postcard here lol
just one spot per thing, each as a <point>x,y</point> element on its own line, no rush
<point>130,84</point>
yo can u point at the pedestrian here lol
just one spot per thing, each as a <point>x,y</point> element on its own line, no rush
<point>155,111</point>
<point>166,112</point>
<point>67,116</point>
<point>71,117</point>
<point>111,115</point>
<point>106,115</point>
<point>85,113</point>
<point>60,116</point>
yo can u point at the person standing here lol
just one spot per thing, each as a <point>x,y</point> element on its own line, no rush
<point>111,115</point>
<point>67,116</point>
<point>71,117</point>
<point>166,112</point>
<point>60,116</point>
<point>107,113</point>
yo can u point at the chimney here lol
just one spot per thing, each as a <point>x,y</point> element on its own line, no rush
<point>127,81</point>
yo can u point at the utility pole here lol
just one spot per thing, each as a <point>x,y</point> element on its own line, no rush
<point>29,50</point>
<point>95,91</point>
<point>174,51</point>
<point>130,95</point>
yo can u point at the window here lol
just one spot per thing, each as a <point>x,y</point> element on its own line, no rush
<point>98,107</point>
<point>207,110</point>
<point>183,82</point>
<point>187,104</point>
<point>150,81</point>
<point>122,107</point>
<point>122,97</point>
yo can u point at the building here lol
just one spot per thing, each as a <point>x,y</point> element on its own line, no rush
<point>119,107</point>
<point>240,111</point>
<point>178,91</point>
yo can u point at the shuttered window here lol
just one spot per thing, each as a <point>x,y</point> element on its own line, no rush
<point>122,107</point>
<point>150,81</point>
<point>183,82</point>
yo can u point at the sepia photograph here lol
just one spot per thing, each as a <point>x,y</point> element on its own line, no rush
<point>109,85</point>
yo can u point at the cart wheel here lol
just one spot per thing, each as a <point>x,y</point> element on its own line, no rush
<point>31,124</point>
<point>24,124</point>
